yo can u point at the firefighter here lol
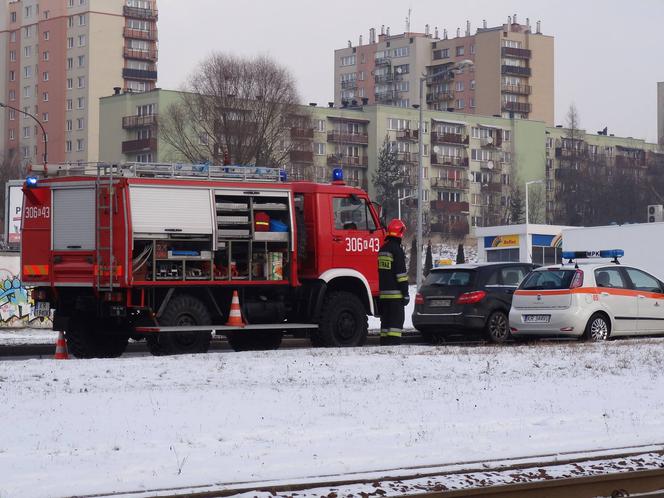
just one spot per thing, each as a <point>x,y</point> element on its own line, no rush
<point>393,284</point>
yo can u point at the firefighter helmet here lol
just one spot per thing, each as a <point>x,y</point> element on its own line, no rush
<point>396,228</point>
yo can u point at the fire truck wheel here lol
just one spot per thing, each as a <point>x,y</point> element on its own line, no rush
<point>88,339</point>
<point>344,321</point>
<point>181,311</point>
<point>254,341</point>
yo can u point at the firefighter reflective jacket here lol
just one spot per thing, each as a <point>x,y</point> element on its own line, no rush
<point>392,275</point>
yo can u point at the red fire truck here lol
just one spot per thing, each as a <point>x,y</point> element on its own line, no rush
<point>156,251</point>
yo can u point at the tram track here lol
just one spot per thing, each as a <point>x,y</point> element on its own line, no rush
<point>601,473</point>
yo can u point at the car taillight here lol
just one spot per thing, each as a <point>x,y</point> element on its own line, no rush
<point>471,297</point>
<point>419,298</point>
<point>577,281</point>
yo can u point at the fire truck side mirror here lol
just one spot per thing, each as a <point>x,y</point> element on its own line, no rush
<point>379,212</point>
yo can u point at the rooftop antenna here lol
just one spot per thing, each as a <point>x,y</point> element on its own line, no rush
<point>435,32</point>
<point>467,28</point>
<point>408,20</point>
<point>539,26</point>
<point>484,23</point>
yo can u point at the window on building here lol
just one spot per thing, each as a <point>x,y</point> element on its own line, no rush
<point>26,132</point>
<point>45,96</point>
<point>400,52</point>
<point>70,63</point>
<point>70,22</point>
<point>70,83</point>
<point>459,86</point>
<point>12,95</point>
<point>47,35</point>
<point>12,114</point>
<point>12,75</point>
<point>82,40</point>
<point>320,125</point>
<point>136,86</point>
<point>45,76</point>
<point>69,125</point>
<point>460,51</point>
<point>45,117</point>
<point>80,103</point>
<point>82,20</point>
<point>12,17</point>
<point>46,55</point>
<point>472,49</point>
<point>80,123</point>
<point>472,102</point>
<point>28,11</point>
<point>27,52</point>
<point>12,136</point>
<point>70,42</point>
<point>70,104</point>
<point>348,60</point>
<point>27,91</point>
<point>80,144</point>
<point>472,84</point>
<point>460,104</point>
<point>81,82</point>
<point>398,124</point>
<point>12,55</point>
<point>81,61</point>
<point>319,149</point>
<point>68,146</point>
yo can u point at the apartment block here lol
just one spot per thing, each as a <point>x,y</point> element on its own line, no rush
<point>511,74</point>
<point>59,58</point>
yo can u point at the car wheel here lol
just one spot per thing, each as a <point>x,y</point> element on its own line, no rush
<point>498,327</point>
<point>597,329</point>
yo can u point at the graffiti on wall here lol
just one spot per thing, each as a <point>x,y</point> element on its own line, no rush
<point>16,305</point>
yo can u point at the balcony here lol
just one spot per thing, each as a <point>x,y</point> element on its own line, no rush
<point>301,156</point>
<point>449,207</point>
<point>302,133</point>
<point>515,70</point>
<point>627,161</point>
<point>449,183</point>
<point>382,61</point>
<point>459,229</point>
<point>407,157</point>
<point>348,138</point>
<point>520,53</point>
<point>517,89</point>
<point>139,74</point>
<point>139,13</point>
<point>336,160</point>
<point>439,97</point>
<point>496,141</point>
<point>493,187</point>
<point>346,85</point>
<point>439,77</point>
<point>387,78</point>
<point>129,122</point>
<point>492,165</point>
<point>565,174</point>
<point>144,55</point>
<point>144,144</point>
<point>523,107</point>
<point>440,160</point>
<point>408,135</point>
<point>387,96</point>
<point>449,138</point>
<point>140,34</point>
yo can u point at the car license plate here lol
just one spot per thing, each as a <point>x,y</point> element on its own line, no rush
<point>536,318</point>
<point>42,309</point>
<point>440,303</point>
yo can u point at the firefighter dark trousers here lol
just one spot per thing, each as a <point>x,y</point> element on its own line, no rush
<point>391,321</point>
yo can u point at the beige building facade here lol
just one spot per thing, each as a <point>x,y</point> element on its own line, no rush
<point>512,71</point>
<point>60,57</point>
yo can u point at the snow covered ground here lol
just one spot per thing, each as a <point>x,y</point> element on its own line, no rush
<point>81,427</point>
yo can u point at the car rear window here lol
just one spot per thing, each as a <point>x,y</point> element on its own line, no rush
<point>548,279</point>
<point>451,278</point>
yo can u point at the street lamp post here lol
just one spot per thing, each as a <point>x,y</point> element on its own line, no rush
<point>399,205</point>
<point>36,121</point>
<point>452,69</point>
<point>530,183</point>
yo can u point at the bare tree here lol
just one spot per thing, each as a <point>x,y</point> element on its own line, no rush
<point>233,107</point>
<point>536,204</point>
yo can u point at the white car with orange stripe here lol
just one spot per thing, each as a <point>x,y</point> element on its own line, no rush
<point>594,301</point>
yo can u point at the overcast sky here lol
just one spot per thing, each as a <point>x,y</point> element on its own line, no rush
<point>608,53</point>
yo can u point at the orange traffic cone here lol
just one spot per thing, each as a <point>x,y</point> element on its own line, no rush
<point>61,348</point>
<point>235,315</point>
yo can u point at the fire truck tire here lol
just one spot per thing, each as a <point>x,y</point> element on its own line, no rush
<point>254,341</point>
<point>86,340</point>
<point>343,322</point>
<point>182,310</point>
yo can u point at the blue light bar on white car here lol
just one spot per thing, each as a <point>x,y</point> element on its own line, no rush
<point>607,253</point>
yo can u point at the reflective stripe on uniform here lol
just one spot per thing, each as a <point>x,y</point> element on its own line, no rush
<point>385,254</point>
<point>394,332</point>
<point>390,294</point>
<point>383,332</point>
<point>385,260</point>
<point>402,277</point>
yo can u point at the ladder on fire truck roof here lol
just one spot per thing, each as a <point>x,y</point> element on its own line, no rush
<point>164,170</point>
<point>105,199</point>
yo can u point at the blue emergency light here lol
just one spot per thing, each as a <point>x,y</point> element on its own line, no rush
<point>337,175</point>
<point>283,175</point>
<point>607,253</point>
<point>31,181</point>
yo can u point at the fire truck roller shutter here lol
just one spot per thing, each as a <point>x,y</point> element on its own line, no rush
<point>74,219</point>
<point>171,209</point>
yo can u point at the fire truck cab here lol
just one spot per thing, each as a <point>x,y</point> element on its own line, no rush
<point>156,251</point>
